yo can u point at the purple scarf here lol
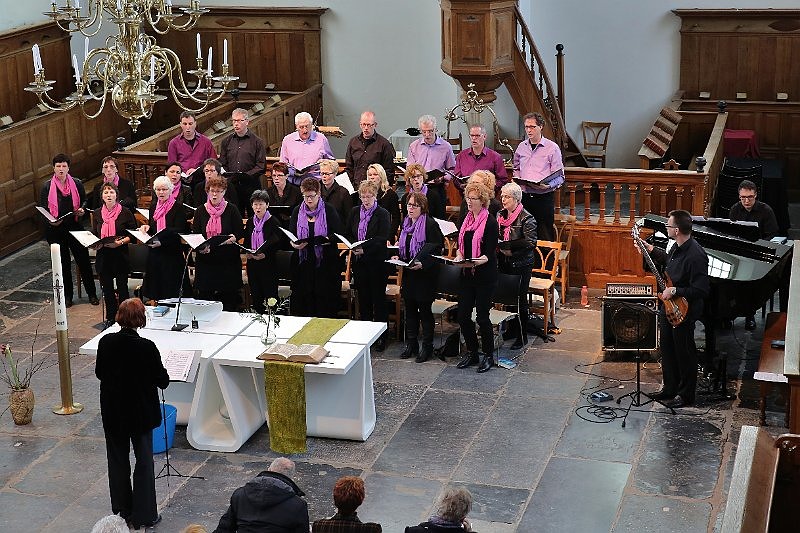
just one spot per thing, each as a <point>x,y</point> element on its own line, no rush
<point>257,238</point>
<point>320,227</point>
<point>417,231</point>
<point>366,216</point>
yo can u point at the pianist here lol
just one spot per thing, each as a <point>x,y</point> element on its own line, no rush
<point>749,208</point>
<point>687,267</point>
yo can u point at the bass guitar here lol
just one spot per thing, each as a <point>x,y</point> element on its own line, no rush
<point>676,308</point>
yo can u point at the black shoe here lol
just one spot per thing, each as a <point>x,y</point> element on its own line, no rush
<point>439,352</point>
<point>412,349</point>
<point>150,524</point>
<point>487,362</point>
<point>750,323</point>
<point>519,343</point>
<point>380,344</point>
<point>468,359</point>
<point>425,354</point>
<point>678,401</point>
<point>93,300</point>
<point>68,302</point>
<point>660,395</point>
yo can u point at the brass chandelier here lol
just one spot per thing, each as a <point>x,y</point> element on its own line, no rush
<point>130,66</point>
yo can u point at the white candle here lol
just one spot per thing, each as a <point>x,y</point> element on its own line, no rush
<point>59,303</point>
<point>199,52</point>
<point>77,5</point>
<point>209,60</point>
<point>38,57</point>
<point>34,52</point>
<point>169,3</point>
<point>225,52</point>
<point>152,69</point>
<point>119,6</point>
<point>77,72</point>
<point>86,50</point>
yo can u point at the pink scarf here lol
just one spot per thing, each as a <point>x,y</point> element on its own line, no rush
<point>476,224</point>
<point>161,210</point>
<point>109,227</point>
<point>176,190</point>
<point>67,189</point>
<point>505,223</point>
<point>214,226</point>
<point>114,180</point>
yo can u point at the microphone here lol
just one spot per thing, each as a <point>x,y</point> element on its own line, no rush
<point>176,326</point>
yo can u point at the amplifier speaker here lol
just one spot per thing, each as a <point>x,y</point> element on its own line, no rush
<point>629,323</point>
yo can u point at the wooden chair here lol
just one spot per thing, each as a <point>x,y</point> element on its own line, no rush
<point>595,140</point>
<point>393,295</point>
<point>447,285</point>
<point>456,142</point>
<point>348,292</point>
<point>506,294</point>
<point>543,280</point>
<point>565,226</point>
<point>283,264</point>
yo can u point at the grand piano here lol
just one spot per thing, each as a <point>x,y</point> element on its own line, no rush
<point>745,274</point>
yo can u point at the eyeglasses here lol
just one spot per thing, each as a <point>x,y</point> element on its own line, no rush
<point>303,126</point>
<point>326,173</point>
<point>367,124</point>
<point>414,176</point>
<point>670,226</point>
<point>209,170</point>
<point>310,196</point>
<point>427,131</point>
<point>239,120</point>
<point>506,196</point>
<point>473,199</point>
<point>531,126</point>
<point>475,136</point>
<point>216,191</point>
<point>748,197</point>
<point>412,205</point>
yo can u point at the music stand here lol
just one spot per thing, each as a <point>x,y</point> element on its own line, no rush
<point>168,470</point>
<point>636,396</point>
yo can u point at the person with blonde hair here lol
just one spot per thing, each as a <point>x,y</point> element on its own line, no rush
<point>387,198</point>
<point>477,242</point>
<point>488,180</point>
<point>333,193</point>
<point>416,181</point>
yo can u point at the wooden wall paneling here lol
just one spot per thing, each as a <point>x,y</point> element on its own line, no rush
<point>297,62</point>
<point>769,127</point>
<point>767,51</point>
<point>783,62</point>
<point>313,74</point>
<point>747,66</point>
<point>689,64</point>
<point>794,71</point>
<point>708,63</point>
<point>727,74</point>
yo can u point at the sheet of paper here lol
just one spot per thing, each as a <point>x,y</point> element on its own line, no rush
<point>180,364</point>
<point>446,226</point>
<point>344,180</point>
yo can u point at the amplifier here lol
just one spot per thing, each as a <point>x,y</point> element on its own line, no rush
<point>629,289</point>
<point>629,323</point>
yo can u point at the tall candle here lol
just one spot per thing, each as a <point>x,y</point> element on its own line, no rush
<point>78,5</point>
<point>77,72</point>
<point>225,52</point>
<point>86,50</point>
<point>209,60</point>
<point>119,6</point>
<point>152,69</point>
<point>169,3</point>
<point>59,302</point>
<point>35,52</point>
<point>199,52</point>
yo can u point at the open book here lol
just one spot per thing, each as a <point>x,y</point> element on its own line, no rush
<point>447,227</point>
<point>197,240</point>
<point>435,174</point>
<point>144,212</point>
<point>193,208</point>
<point>316,240</point>
<point>144,237</point>
<point>50,218</point>
<point>452,261</point>
<point>181,365</point>
<point>344,180</point>
<point>400,262</point>
<point>89,239</point>
<point>350,245</point>
<point>545,180</point>
<point>259,250</point>
<point>303,353</point>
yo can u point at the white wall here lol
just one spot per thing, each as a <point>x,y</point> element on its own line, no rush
<point>622,60</point>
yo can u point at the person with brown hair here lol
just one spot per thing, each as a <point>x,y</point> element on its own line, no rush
<point>130,371</point>
<point>348,495</point>
<point>126,189</point>
<point>283,194</point>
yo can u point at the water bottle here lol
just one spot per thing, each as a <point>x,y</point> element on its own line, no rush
<point>584,296</point>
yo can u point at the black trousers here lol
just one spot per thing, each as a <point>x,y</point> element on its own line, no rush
<point>263,281</point>
<point>137,504</point>
<point>81,254</point>
<point>370,282</point>
<point>679,358</point>
<point>109,297</point>
<point>419,312</point>
<point>542,207</point>
<point>476,296</point>
<point>522,308</point>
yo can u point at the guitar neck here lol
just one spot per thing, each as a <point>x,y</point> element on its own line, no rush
<point>659,280</point>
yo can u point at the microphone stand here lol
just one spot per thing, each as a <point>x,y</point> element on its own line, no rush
<point>168,470</point>
<point>176,326</point>
<point>636,395</point>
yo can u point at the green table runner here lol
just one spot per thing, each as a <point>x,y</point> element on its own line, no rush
<point>285,387</point>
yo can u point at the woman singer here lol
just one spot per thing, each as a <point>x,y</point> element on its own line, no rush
<point>262,232</point>
<point>477,241</point>
<point>416,177</point>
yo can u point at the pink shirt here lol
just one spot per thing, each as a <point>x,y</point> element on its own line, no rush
<point>436,156</point>
<point>534,163</point>
<point>299,154</point>
<point>188,155</point>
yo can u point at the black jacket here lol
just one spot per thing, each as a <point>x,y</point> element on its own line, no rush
<point>420,284</point>
<point>269,503</point>
<point>127,195</point>
<point>338,197</point>
<point>291,198</point>
<point>56,233</point>
<point>523,243</point>
<point>361,153</point>
<point>129,369</point>
<point>687,267</point>
<point>375,250</point>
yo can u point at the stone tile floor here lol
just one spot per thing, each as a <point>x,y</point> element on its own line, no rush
<point>534,452</point>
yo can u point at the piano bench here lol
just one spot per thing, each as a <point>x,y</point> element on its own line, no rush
<point>770,363</point>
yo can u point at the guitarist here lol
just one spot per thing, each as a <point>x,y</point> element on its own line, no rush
<point>686,265</point>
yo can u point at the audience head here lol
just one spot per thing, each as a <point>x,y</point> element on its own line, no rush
<point>416,204</point>
<point>131,314</point>
<point>477,136</point>
<point>511,195</point>
<point>109,166</point>
<point>477,196</point>
<point>111,524</point>
<point>681,221</point>
<point>304,123</point>
<point>427,125</point>
<point>282,465</point>
<point>240,119</point>
<point>188,125</point>
<point>109,193</point>
<point>377,174</point>
<point>534,122</point>
<point>173,171</point>
<point>163,187</point>
<point>416,176</point>
<point>454,505</point>
<point>348,494</point>
<point>748,192</point>
<point>484,177</point>
<point>327,171</point>
<point>368,124</point>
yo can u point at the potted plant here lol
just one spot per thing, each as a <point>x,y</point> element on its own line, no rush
<point>21,399</point>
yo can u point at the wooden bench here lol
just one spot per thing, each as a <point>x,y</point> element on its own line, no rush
<point>771,363</point>
<point>762,494</point>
